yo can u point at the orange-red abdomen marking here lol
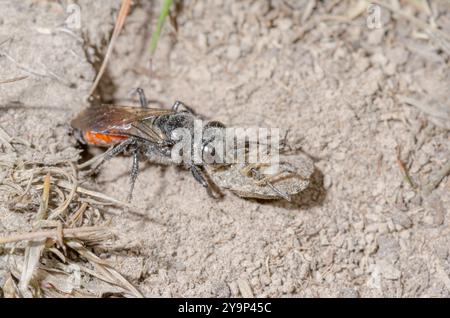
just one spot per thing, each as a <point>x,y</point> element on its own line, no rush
<point>99,139</point>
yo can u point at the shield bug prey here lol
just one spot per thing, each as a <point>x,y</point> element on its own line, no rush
<point>259,181</point>
<point>178,136</point>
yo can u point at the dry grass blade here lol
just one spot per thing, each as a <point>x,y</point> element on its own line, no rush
<point>78,215</point>
<point>80,233</point>
<point>34,249</point>
<point>10,288</point>
<point>42,212</point>
<point>67,185</point>
<point>12,80</point>
<point>86,253</point>
<point>5,139</point>
<point>61,201</point>
<point>32,255</point>
<point>117,279</point>
<point>125,7</point>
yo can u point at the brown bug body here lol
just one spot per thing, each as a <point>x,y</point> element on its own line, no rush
<point>292,177</point>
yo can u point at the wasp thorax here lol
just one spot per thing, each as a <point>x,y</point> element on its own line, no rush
<point>172,123</point>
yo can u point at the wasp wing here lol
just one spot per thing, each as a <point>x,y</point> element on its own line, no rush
<point>120,120</point>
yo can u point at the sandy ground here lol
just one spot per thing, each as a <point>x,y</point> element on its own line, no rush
<point>357,100</point>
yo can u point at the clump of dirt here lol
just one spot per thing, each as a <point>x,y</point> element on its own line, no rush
<point>369,105</point>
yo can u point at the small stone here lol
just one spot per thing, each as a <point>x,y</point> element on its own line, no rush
<point>402,220</point>
<point>264,73</point>
<point>359,226</point>
<point>202,42</point>
<point>288,288</point>
<point>371,248</point>
<point>338,241</point>
<point>244,288</point>
<point>234,289</point>
<point>200,73</point>
<point>389,271</point>
<point>265,280</point>
<point>166,294</point>
<point>383,228</point>
<point>379,59</point>
<point>327,182</point>
<point>221,290</point>
<point>375,36</point>
<point>409,195</point>
<point>233,52</point>
<point>372,228</point>
<point>398,55</point>
<point>369,237</point>
<point>390,69</point>
<point>284,24</point>
<point>339,156</point>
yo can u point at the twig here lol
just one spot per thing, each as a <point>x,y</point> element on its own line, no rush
<point>15,79</point>
<point>68,233</point>
<point>5,139</point>
<point>404,170</point>
<point>91,193</point>
<point>124,8</point>
<point>42,212</point>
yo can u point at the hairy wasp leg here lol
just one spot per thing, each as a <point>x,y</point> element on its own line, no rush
<point>112,152</point>
<point>198,175</point>
<point>119,148</point>
<point>180,106</point>
<point>134,172</point>
<point>142,99</point>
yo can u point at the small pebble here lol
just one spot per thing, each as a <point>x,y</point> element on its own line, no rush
<point>233,52</point>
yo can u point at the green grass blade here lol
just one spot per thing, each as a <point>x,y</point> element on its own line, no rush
<point>162,17</point>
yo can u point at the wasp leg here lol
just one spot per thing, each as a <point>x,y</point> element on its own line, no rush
<point>199,176</point>
<point>134,172</point>
<point>180,106</point>
<point>142,99</point>
<point>112,152</point>
<point>119,148</point>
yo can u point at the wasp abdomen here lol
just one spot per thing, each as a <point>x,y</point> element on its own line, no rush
<point>99,139</point>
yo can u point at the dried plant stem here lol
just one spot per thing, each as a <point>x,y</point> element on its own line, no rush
<point>42,213</point>
<point>12,80</point>
<point>67,233</point>
<point>124,8</point>
<point>67,185</point>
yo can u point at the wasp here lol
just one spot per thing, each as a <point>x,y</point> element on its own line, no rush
<point>142,132</point>
<point>151,133</point>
